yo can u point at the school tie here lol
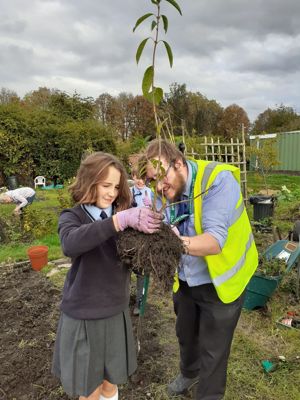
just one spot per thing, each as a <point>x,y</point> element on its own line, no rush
<point>103,214</point>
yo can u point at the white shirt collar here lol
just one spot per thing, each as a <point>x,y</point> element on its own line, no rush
<point>96,211</point>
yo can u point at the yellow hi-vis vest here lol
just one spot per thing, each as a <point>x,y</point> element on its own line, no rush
<point>231,270</point>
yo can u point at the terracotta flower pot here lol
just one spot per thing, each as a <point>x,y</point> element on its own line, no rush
<point>38,256</point>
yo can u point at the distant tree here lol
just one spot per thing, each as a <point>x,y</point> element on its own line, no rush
<point>105,104</point>
<point>15,157</point>
<point>39,98</point>
<point>234,117</point>
<point>264,153</point>
<point>75,137</point>
<point>61,104</point>
<point>126,117</point>
<point>178,105</point>
<point>206,115</point>
<point>281,119</point>
<point>34,141</point>
<point>198,114</point>
<point>72,107</point>
<point>8,96</point>
<point>142,123</point>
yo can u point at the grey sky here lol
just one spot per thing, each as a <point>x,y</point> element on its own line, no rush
<point>233,51</point>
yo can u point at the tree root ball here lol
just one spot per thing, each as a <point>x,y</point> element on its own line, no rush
<point>158,254</point>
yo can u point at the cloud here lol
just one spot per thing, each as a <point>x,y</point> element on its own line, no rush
<point>233,51</point>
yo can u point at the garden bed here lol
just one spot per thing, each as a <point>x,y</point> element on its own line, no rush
<point>29,307</point>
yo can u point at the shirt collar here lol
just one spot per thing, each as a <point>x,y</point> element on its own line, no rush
<point>96,211</point>
<point>137,190</point>
<point>187,189</point>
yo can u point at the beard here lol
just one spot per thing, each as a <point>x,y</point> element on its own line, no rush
<point>178,187</point>
<point>180,183</point>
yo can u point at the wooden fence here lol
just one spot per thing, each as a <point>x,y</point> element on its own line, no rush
<point>232,152</point>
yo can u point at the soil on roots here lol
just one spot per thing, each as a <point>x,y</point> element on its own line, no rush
<point>158,254</point>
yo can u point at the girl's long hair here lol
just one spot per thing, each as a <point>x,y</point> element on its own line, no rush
<point>93,170</point>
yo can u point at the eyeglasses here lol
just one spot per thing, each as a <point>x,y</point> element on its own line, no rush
<point>149,181</point>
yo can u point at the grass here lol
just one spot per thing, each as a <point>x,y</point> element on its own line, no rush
<point>44,210</point>
<point>285,212</point>
<point>275,181</point>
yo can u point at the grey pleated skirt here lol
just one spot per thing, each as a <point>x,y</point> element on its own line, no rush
<point>88,351</point>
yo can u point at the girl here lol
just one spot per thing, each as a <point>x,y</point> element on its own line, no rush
<point>94,349</point>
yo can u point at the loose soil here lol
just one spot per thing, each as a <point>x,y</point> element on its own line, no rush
<point>158,254</point>
<point>29,306</point>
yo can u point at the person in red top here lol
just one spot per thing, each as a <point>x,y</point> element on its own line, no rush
<point>94,349</point>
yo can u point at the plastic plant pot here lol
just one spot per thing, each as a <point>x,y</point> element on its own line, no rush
<point>38,256</point>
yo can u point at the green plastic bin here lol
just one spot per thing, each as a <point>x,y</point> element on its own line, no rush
<point>259,290</point>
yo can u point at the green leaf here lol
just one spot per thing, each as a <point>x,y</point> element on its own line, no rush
<point>155,163</point>
<point>153,25</point>
<point>155,96</point>
<point>165,23</point>
<point>169,51</point>
<point>158,95</point>
<point>147,81</point>
<point>174,4</point>
<point>154,1</point>
<point>140,50</point>
<point>141,19</point>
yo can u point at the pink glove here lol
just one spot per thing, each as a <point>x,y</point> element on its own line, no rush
<point>147,201</point>
<point>140,218</point>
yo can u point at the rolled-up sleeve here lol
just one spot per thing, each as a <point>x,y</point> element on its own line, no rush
<point>219,205</point>
<point>21,200</point>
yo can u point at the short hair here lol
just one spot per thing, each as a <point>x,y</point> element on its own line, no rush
<point>156,148</point>
<point>94,169</point>
<point>3,197</point>
<point>165,149</point>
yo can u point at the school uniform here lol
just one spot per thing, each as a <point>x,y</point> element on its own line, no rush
<point>94,338</point>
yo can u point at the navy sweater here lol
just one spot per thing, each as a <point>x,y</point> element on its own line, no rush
<point>97,285</point>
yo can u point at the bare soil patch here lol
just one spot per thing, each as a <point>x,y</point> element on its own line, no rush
<point>29,306</point>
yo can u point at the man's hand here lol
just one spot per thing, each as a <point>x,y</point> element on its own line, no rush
<point>17,211</point>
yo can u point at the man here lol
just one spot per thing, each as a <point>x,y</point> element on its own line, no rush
<point>22,197</point>
<point>220,259</point>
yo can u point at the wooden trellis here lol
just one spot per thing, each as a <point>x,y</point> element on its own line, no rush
<point>233,152</point>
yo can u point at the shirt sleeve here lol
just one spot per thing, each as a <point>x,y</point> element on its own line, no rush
<point>219,205</point>
<point>21,200</point>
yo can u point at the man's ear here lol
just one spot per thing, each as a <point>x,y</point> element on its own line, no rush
<point>178,164</point>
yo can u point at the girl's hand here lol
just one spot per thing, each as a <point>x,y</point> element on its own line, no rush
<point>142,219</point>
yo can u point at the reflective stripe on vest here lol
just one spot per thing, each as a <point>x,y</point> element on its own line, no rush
<point>229,274</point>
